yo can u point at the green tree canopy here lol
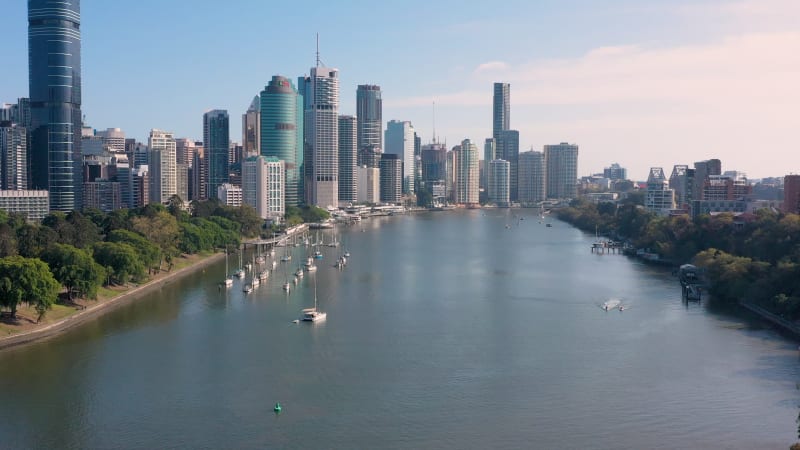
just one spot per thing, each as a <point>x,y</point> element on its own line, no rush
<point>122,260</point>
<point>75,269</point>
<point>27,280</point>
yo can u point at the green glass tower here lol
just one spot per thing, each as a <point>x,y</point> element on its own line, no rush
<point>282,132</point>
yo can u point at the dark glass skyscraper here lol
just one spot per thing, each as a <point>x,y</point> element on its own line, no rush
<point>369,113</point>
<point>216,139</point>
<point>501,111</point>
<point>54,71</point>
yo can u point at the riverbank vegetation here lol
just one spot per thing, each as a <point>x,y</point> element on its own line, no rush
<point>71,256</point>
<point>752,257</point>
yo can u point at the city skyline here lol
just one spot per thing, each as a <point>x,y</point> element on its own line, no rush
<point>647,85</point>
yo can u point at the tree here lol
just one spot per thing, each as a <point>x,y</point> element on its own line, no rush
<point>33,239</point>
<point>75,269</point>
<point>161,229</point>
<point>27,280</point>
<point>149,253</point>
<point>121,258</point>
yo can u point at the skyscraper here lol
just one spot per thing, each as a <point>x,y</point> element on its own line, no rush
<point>466,173</point>
<point>391,176</point>
<point>13,157</point>
<point>400,141</point>
<point>532,182</point>
<point>263,185</point>
<point>508,150</point>
<point>497,181</point>
<point>369,113</point>
<point>501,111</point>
<point>251,128</point>
<point>54,64</point>
<point>562,170</point>
<point>163,168</point>
<point>348,181</point>
<point>216,139</point>
<point>282,133</point>
<point>320,91</point>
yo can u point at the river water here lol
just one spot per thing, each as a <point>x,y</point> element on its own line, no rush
<point>463,329</point>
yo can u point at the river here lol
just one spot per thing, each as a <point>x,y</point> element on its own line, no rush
<point>462,329</point>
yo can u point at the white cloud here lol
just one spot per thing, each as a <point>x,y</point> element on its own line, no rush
<point>492,66</point>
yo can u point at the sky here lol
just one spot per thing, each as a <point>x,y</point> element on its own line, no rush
<point>641,83</point>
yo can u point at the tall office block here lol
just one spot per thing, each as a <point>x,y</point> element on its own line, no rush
<point>113,139</point>
<point>320,91</point>
<point>13,156</point>
<point>348,155</point>
<point>615,172</point>
<point>216,139</point>
<point>562,170</point>
<point>369,114</point>
<point>391,176</point>
<point>370,156</point>
<point>199,177</point>
<point>185,149</point>
<point>163,166</point>
<point>508,150</point>
<point>54,64</point>
<point>532,179</point>
<point>466,173</point>
<point>140,179</point>
<point>498,178</point>
<point>501,109</point>
<point>434,163</point>
<point>282,133</point>
<point>251,128</point>
<point>681,181</point>
<point>399,140</point>
<point>791,194</point>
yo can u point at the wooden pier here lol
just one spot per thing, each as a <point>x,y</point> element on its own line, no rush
<point>607,247</point>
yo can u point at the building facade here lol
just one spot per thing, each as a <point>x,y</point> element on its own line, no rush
<point>13,156</point>
<point>33,204</point>
<point>498,182</point>
<point>369,186</point>
<point>466,172</point>
<point>163,166</point>
<point>54,63</point>
<point>369,115</point>
<point>399,140</point>
<point>320,92</point>
<point>263,186</point>
<point>229,194</point>
<point>508,150</point>
<point>791,194</point>
<point>615,172</point>
<point>659,198</point>
<point>348,158</point>
<point>391,178</point>
<point>562,170</point>
<point>251,128</point>
<point>282,133</point>
<point>216,139</point>
<point>532,178</point>
<point>501,109</point>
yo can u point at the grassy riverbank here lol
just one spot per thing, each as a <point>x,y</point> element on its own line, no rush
<point>61,317</point>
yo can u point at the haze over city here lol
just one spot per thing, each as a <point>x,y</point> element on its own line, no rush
<point>655,84</point>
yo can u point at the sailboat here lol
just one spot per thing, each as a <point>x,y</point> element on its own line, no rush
<point>228,280</point>
<point>239,272</point>
<point>286,285</point>
<point>313,314</point>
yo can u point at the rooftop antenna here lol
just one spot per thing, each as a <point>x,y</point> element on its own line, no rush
<point>319,61</point>
<point>434,121</point>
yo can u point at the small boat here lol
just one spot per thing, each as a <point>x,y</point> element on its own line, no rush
<point>610,304</point>
<point>256,282</point>
<point>346,254</point>
<point>313,314</point>
<point>309,262</point>
<point>286,258</point>
<point>263,275</point>
<point>247,288</point>
<point>261,259</point>
<point>248,266</point>
<point>311,268</point>
<point>228,282</point>
<point>239,273</point>
<point>549,225</point>
<point>299,272</point>
<point>317,254</point>
<point>287,286</point>
<point>274,264</point>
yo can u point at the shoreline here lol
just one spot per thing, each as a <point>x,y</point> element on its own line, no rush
<point>98,309</point>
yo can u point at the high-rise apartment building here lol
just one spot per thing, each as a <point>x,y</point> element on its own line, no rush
<point>185,149</point>
<point>369,115</point>
<point>399,140</point>
<point>498,179</point>
<point>501,109</point>
<point>702,170</point>
<point>434,163</point>
<point>562,170</point>
<point>681,181</point>
<point>532,179</point>
<point>54,63</point>
<point>13,156</point>
<point>615,172</point>
<point>263,186</point>
<point>391,176</point>
<point>251,128</point>
<point>659,198</point>
<point>369,185</point>
<point>113,139</point>
<point>466,173</point>
<point>162,167</point>
<point>282,133</point>
<point>348,156</point>
<point>320,91</point>
<point>216,139</point>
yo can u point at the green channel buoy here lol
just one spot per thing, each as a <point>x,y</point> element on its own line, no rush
<point>277,407</point>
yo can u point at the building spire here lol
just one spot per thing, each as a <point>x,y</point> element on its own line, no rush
<point>318,61</point>
<point>434,121</point>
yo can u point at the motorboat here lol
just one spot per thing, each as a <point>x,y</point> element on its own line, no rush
<point>610,304</point>
<point>247,288</point>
